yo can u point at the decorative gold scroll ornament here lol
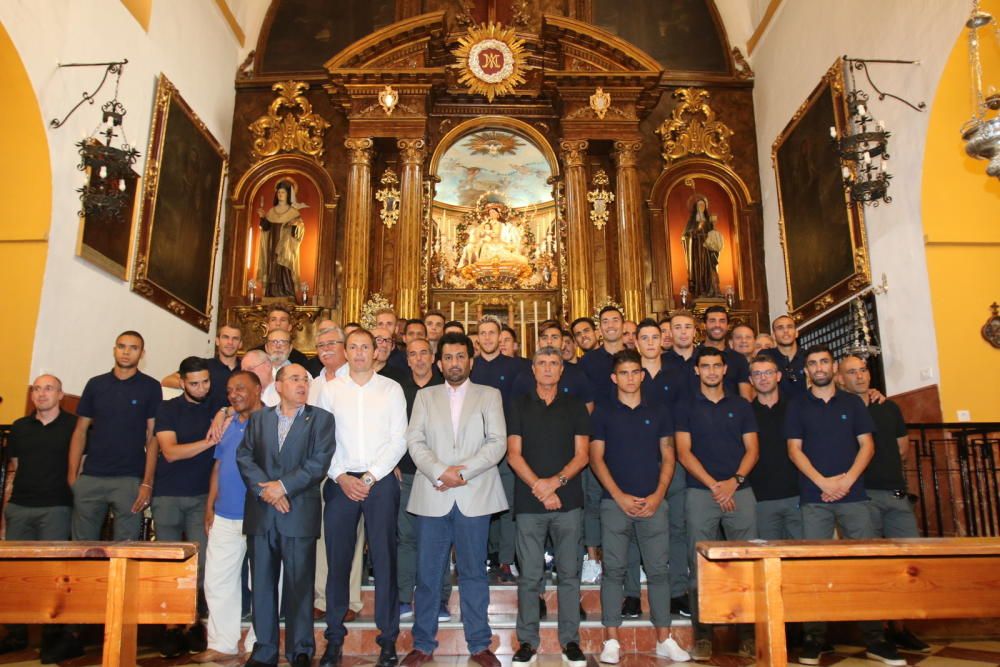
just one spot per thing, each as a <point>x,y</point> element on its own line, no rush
<point>693,130</point>
<point>301,133</point>
<point>600,102</point>
<point>374,304</point>
<point>491,60</point>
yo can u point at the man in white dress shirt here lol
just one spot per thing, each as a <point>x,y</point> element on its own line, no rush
<point>370,416</point>
<point>258,363</point>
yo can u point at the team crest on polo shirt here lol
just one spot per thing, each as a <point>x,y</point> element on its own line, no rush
<point>135,401</point>
<point>730,415</point>
<point>501,377</point>
<point>647,422</point>
<point>843,416</point>
<point>565,390</point>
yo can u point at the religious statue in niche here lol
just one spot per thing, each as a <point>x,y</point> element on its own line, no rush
<point>281,234</point>
<point>702,245</point>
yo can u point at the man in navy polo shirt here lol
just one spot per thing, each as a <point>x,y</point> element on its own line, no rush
<point>717,444</point>
<point>121,460</point>
<point>830,441</point>
<point>737,380</point>
<point>790,358</point>
<point>632,454</point>
<point>584,334</point>
<point>499,371</point>
<point>228,339</point>
<point>597,363</point>
<point>683,330</point>
<point>183,472</point>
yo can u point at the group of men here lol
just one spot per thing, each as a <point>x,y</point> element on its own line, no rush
<point>616,463</point>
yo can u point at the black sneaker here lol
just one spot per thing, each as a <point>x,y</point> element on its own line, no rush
<point>525,654</point>
<point>679,605</point>
<point>583,612</point>
<point>907,641</point>
<point>173,643</point>
<point>543,609</point>
<point>884,652</point>
<point>196,638</point>
<point>66,647</point>
<point>810,652</point>
<point>631,607</point>
<point>12,643</point>
<point>573,656</point>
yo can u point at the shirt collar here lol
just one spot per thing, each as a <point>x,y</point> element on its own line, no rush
<point>460,390</point>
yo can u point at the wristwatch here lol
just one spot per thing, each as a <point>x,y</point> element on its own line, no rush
<point>368,479</point>
<point>563,480</point>
<point>739,479</point>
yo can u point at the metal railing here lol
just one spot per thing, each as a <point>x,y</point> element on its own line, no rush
<point>954,479</point>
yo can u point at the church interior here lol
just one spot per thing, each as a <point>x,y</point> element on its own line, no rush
<point>528,160</point>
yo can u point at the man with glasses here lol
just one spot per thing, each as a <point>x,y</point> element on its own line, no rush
<point>385,346</point>
<point>278,345</point>
<point>279,316</point>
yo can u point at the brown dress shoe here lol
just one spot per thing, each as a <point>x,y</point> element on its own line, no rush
<point>485,658</point>
<point>318,614</point>
<point>211,655</point>
<point>351,615</point>
<point>416,657</point>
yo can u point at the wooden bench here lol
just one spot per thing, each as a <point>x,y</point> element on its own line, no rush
<point>119,584</point>
<point>771,583</point>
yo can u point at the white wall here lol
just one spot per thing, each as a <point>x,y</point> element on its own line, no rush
<point>803,40</point>
<point>82,308</point>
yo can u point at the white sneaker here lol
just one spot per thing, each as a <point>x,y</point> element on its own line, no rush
<point>591,572</point>
<point>642,574</point>
<point>514,571</point>
<point>669,648</point>
<point>611,653</point>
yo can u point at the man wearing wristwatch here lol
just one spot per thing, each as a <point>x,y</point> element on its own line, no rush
<point>717,445</point>
<point>370,414</point>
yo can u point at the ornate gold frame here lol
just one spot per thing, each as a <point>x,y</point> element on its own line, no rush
<point>198,315</point>
<point>861,275</point>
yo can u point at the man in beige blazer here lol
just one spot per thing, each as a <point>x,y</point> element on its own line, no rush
<point>456,437</point>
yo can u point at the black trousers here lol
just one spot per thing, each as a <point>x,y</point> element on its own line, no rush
<point>268,554</point>
<point>340,518</point>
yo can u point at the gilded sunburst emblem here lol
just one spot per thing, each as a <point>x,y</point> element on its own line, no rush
<point>493,143</point>
<point>491,60</point>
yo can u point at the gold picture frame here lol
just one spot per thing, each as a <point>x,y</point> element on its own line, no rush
<point>181,204</point>
<point>822,231</point>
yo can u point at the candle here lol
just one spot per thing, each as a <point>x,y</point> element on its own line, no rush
<point>868,157</point>
<point>466,320</point>
<point>861,109</point>
<point>534,305</point>
<point>548,310</point>
<point>249,247</point>
<point>846,172</point>
<point>523,331</point>
<point>833,132</point>
<point>452,318</point>
<point>438,306</point>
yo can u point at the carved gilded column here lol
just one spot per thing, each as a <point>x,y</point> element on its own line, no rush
<point>357,235</point>
<point>574,158</point>
<point>628,199</point>
<point>411,156</point>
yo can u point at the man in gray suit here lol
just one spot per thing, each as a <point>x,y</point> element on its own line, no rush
<point>285,453</point>
<point>456,437</point>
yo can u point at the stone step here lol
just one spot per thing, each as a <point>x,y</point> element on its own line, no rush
<point>636,636</point>
<point>503,599</point>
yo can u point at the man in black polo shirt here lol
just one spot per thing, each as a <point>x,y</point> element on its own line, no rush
<point>717,445</point>
<point>891,510</point>
<point>183,472</point>
<point>737,380</point>
<point>228,339</point>
<point>548,435</point>
<point>118,410</point>
<point>830,441</point>
<point>499,371</point>
<point>775,479</point>
<point>41,503</point>
<point>572,381</point>
<point>632,454</point>
<point>423,373</point>
<point>789,357</point>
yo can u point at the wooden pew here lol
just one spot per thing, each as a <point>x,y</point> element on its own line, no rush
<point>119,584</point>
<point>771,583</point>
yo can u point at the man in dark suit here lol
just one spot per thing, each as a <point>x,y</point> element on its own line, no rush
<point>285,453</point>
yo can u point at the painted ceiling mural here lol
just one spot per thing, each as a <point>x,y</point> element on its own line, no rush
<point>501,164</point>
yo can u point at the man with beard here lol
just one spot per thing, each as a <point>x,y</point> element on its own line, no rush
<point>115,421</point>
<point>830,441</point>
<point>228,339</point>
<point>499,371</point>
<point>568,349</point>
<point>666,338</point>
<point>584,334</point>
<point>629,329</point>
<point>789,357</point>
<point>597,363</point>
<point>279,317</point>
<point>737,380</point>
<point>227,546</point>
<point>456,438</point>
<point>284,454</point>
<point>277,345</point>
<point>183,472</point>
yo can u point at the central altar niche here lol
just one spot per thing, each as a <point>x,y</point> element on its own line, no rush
<point>494,226</point>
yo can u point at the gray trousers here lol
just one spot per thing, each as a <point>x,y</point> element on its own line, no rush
<point>94,496</point>
<point>707,522</point>
<point>502,534</point>
<point>592,492</point>
<point>653,535</point>
<point>854,522</point>
<point>566,531</point>
<point>178,518</point>
<point>676,507</point>
<point>38,523</point>
<point>892,516</point>
<point>779,519</point>
<point>406,549</point>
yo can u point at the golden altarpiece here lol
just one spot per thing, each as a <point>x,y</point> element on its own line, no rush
<point>506,157</point>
